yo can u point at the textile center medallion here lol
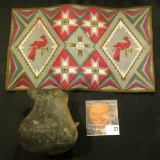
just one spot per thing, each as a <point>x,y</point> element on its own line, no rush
<point>80,46</point>
<point>122,46</point>
<point>38,47</point>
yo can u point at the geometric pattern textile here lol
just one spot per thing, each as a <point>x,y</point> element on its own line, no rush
<point>81,47</point>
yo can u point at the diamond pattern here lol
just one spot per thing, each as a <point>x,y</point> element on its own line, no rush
<point>43,54</point>
<point>81,47</point>
<point>115,46</point>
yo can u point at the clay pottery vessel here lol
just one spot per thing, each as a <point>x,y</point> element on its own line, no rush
<point>49,128</point>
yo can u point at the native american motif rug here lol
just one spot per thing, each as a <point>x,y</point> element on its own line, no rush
<point>81,47</point>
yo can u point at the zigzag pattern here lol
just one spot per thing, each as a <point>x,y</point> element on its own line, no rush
<point>51,14</point>
<point>134,14</point>
<point>15,67</point>
<point>81,80</point>
<point>49,80</point>
<point>80,13</point>
<point>108,15</point>
<point>110,81</point>
<point>23,81</point>
<point>143,27</point>
<point>145,68</point>
<point>136,82</point>
<point>27,15</point>
<point>17,28</point>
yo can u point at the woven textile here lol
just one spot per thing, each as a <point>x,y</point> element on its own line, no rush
<point>81,47</point>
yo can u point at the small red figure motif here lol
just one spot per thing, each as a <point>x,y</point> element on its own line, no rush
<point>36,45</point>
<point>121,46</point>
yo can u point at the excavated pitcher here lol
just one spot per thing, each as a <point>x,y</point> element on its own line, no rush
<point>49,128</point>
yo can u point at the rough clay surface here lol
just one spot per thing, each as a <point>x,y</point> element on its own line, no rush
<point>49,128</point>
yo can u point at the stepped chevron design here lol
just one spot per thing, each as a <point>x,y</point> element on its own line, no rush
<point>81,47</point>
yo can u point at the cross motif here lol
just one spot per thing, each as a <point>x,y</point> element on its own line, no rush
<point>80,46</point>
<point>65,22</point>
<point>95,71</point>
<point>64,70</point>
<point>94,24</point>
